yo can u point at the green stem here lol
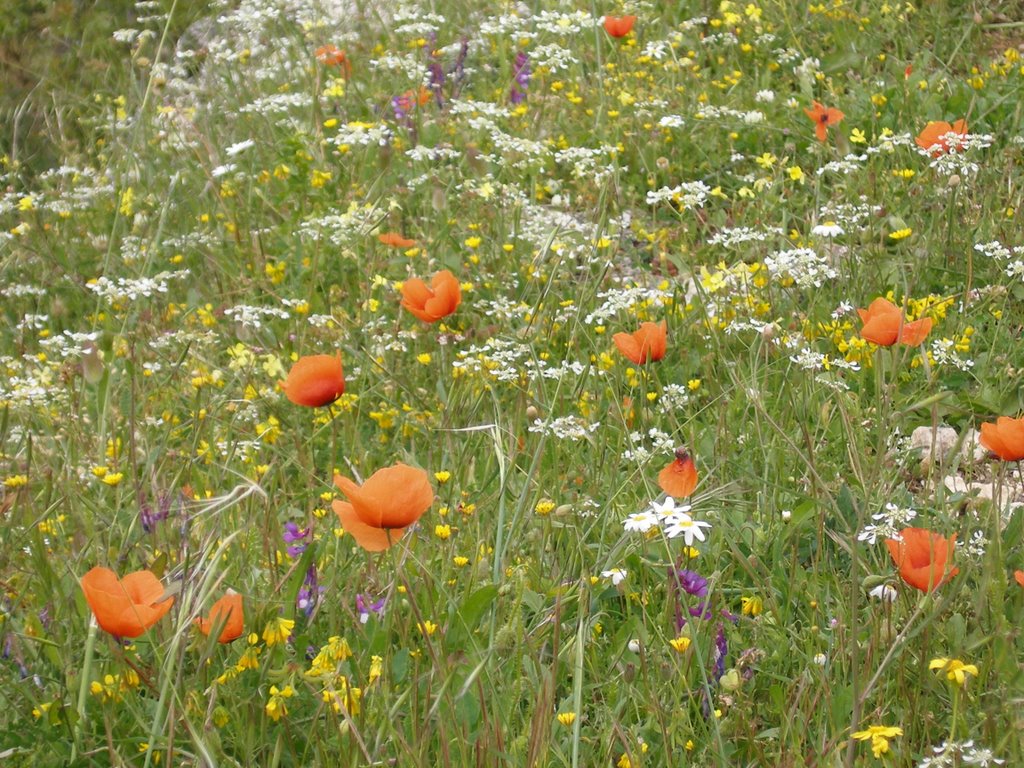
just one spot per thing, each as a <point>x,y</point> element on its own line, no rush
<point>83,688</point>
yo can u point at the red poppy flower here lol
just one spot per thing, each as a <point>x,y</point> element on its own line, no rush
<point>1005,438</point>
<point>395,240</point>
<point>618,26</point>
<point>923,557</point>
<point>227,614</point>
<point>884,325</point>
<point>332,56</point>
<point>646,344</point>
<point>933,137</point>
<point>315,380</point>
<point>125,607</point>
<point>378,512</point>
<point>824,118</point>
<point>430,304</point>
<point>1019,577</point>
<point>679,478</point>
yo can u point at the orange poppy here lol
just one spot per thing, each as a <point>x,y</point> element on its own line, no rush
<point>1019,577</point>
<point>932,138</point>
<point>884,325</point>
<point>823,117</point>
<point>1005,438</point>
<point>679,478</point>
<point>125,607</point>
<point>923,557</point>
<point>315,380</point>
<point>618,26</point>
<point>227,614</point>
<point>645,345</point>
<point>395,240</point>
<point>430,304</point>
<point>379,511</point>
<point>332,56</point>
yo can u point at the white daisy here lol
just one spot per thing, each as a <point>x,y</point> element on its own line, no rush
<point>640,522</point>
<point>681,524</point>
<point>617,575</point>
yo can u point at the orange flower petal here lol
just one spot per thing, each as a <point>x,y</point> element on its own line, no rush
<point>1005,438</point>
<point>912,334</point>
<point>647,344</point>
<point>392,497</point>
<point>431,304</point>
<point>227,614</point>
<point>679,478</point>
<point>315,380</point>
<point>922,557</point>
<point>1019,577</point>
<point>618,26</point>
<point>368,537</point>
<point>395,240</point>
<point>128,607</point>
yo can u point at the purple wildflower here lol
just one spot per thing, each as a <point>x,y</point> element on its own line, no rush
<point>364,608</point>
<point>721,651</point>
<point>521,75</point>
<point>292,534</point>
<point>149,515</point>
<point>309,594</point>
<point>692,583</point>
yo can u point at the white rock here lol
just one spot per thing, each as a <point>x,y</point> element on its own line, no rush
<point>934,443</point>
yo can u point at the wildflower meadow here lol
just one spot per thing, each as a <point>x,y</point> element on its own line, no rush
<point>543,383</point>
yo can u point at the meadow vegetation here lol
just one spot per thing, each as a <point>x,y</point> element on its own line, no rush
<point>524,384</point>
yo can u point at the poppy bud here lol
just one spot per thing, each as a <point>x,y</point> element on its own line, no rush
<point>532,414</point>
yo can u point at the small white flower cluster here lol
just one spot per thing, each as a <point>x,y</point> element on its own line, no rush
<point>888,524</point>
<point>675,521</point>
<point>686,196</point>
<point>729,237</point>
<point>710,111</point>
<point>944,353</point>
<point>69,343</point>
<point>624,300</point>
<point>803,265</point>
<point>570,428</point>
<point>958,161</point>
<point>253,317</point>
<point>957,753</point>
<point>362,134</point>
<point>1011,258</point>
<point>661,442</point>
<point>553,57</point>
<point>849,214</point>
<point>131,289</point>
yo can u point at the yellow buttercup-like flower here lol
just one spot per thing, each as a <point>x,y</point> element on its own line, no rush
<point>955,669</point>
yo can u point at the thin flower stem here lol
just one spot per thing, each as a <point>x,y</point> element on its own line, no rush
<point>83,688</point>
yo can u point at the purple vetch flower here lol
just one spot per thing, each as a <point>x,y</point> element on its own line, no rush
<point>149,515</point>
<point>292,534</point>
<point>521,76</point>
<point>364,608</point>
<point>309,595</point>
<point>436,82</point>
<point>692,583</point>
<point>721,651</point>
